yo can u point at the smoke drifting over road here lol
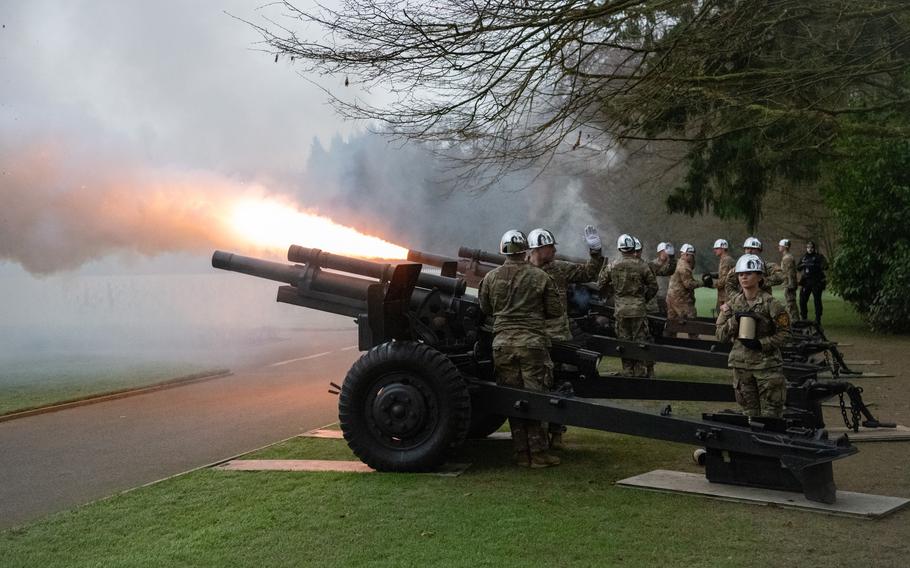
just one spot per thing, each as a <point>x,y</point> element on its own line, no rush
<point>62,209</point>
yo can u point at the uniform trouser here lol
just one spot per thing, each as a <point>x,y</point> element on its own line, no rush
<point>532,369</point>
<point>790,298</point>
<point>816,292</point>
<point>681,312</point>
<point>633,329</point>
<point>760,392</point>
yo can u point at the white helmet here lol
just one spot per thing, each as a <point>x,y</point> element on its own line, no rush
<point>721,244</point>
<point>637,244</point>
<point>540,238</point>
<point>661,247</point>
<point>513,242</point>
<point>687,249</point>
<point>625,243</point>
<point>784,243</point>
<point>749,263</point>
<point>752,243</point>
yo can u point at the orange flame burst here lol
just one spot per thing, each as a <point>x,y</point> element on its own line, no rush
<point>270,223</point>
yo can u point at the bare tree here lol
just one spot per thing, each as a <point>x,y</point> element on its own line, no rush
<point>510,83</point>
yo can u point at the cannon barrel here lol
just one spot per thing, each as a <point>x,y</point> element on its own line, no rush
<point>349,287</point>
<point>481,255</point>
<point>493,258</point>
<point>431,259</point>
<point>267,269</point>
<point>297,253</point>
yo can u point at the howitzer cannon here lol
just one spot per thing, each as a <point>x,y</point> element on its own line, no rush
<point>426,378</point>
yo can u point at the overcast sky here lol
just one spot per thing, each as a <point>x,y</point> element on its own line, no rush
<point>172,82</point>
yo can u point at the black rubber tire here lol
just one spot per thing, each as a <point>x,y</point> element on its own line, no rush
<point>437,394</point>
<point>482,425</point>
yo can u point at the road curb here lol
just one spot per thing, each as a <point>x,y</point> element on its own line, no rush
<point>114,395</point>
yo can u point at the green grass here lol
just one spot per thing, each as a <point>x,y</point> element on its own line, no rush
<point>493,515</point>
<point>29,382</point>
<point>838,315</point>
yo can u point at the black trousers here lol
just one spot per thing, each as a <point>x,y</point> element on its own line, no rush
<point>816,292</point>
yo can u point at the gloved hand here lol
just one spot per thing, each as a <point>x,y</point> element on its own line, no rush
<point>752,344</point>
<point>670,250</point>
<point>707,281</point>
<point>592,238</point>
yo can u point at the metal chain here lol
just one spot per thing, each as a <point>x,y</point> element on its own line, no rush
<point>843,411</point>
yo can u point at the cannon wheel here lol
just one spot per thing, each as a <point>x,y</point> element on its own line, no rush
<point>402,406</point>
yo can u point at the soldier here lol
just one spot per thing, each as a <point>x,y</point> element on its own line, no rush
<point>662,267</point>
<point>543,251</point>
<point>724,268</point>
<point>812,282</point>
<point>757,325</point>
<point>773,275</point>
<point>788,266</point>
<point>665,251</point>
<point>681,295</point>
<point>520,297</point>
<point>632,284</point>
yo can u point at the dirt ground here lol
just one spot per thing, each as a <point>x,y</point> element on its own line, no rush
<point>880,467</point>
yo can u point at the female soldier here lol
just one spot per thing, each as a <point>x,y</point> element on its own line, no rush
<point>757,325</point>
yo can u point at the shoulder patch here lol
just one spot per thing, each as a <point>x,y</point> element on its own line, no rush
<point>782,320</point>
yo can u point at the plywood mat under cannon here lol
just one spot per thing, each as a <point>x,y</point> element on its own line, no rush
<point>849,504</point>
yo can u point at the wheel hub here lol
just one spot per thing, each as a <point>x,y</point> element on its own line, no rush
<point>399,410</point>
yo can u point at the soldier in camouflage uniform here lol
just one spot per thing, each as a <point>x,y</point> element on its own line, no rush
<point>663,282</point>
<point>758,377</point>
<point>788,267</point>
<point>543,253</point>
<point>632,284</point>
<point>681,295</point>
<point>773,275</point>
<point>662,267</point>
<point>724,270</point>
<point>520,297</point>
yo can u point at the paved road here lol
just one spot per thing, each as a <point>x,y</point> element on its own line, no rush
<point>55,461</point>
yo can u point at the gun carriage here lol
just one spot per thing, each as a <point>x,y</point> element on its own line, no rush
<point>425,382</point>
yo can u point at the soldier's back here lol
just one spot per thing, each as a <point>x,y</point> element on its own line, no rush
<point>515,295</point>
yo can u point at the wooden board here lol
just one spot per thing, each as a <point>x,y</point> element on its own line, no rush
<point>850,504</point>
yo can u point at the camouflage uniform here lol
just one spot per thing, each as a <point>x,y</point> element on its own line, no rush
<point>724,269</point>
<point>632,284</point>
<point>681,295</point>
<point>519,297</point>
<point>565,273</point>
<point>758,377</point>
<point>663,284</point>
<point>788,267</point>
<point>661,271</point>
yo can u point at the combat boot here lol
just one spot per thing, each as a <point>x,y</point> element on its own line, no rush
<point>522,459</point>
<point>543,459</point>
<point>556,441</point>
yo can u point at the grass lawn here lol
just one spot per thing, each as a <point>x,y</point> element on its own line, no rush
<point>495,514</point>
<point>29,382</point>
